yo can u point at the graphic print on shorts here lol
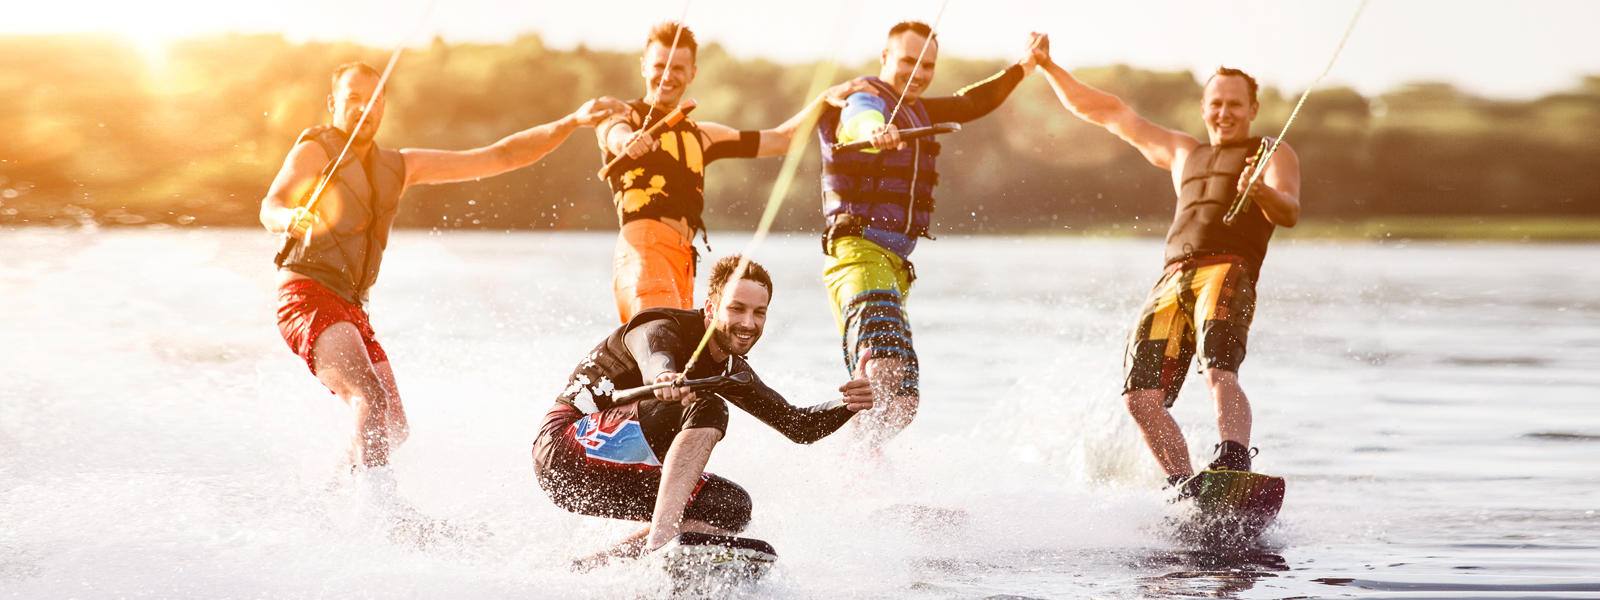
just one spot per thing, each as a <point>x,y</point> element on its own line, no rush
<point>614,437</point>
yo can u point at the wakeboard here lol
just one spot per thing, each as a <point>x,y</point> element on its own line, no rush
<point>706,562</point>
<point>1233,508</point>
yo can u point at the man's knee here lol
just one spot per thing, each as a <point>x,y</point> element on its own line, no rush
<point>1217,377</point>
<point>1145,402</point>
<point>722,504</point>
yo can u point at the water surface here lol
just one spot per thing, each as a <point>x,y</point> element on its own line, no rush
<point>1435,409</point>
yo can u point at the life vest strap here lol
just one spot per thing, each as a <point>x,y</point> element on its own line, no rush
<point>902,172</point>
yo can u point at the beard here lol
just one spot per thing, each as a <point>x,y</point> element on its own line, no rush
<point>724,338</point>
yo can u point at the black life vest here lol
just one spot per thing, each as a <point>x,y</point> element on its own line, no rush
<point>668,182</point>
<point>357,209</point>
<point>611,367</point>
<point>1210,184</point>
<point>879,185</point>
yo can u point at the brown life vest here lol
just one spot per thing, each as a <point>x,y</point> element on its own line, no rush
<point>1210,183</point>
<point>345,248</point>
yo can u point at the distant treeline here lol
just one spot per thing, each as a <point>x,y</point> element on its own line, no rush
<point>92,130</point>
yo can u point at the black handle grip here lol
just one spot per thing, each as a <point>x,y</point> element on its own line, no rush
<point>288,246</point>
<point>905,134</point>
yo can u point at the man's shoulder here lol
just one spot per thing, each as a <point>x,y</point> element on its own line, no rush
<point>676,317</point>
<point>1184,146</point>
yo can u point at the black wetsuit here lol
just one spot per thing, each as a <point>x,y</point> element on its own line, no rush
<point>602,458</point>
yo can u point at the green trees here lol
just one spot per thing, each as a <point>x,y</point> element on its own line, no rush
<point>95,131</point>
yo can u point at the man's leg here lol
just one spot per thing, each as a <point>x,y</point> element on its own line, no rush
<point>868,285</point>
<point>680,474</point>
<point>1154,368</point>
<point>876,427</point>
<point>1161,431</point>
<point>1233,408</point>
<point>653,268</point>
<point>398,428</point>
<point>340,356</point>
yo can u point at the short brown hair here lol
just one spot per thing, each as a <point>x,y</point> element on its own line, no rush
<point>723,271</point>
<point>917,27</point>
<point>353,66</point>
<point>667,31</point>
<point>1249,82</point>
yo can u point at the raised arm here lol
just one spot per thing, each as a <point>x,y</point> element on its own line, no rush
<point>294,182</point>
<point>976,100</point>
<point>514,151</point>
<point>1159,145</point>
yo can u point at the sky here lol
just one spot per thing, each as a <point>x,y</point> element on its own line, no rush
<point>1495,48</point>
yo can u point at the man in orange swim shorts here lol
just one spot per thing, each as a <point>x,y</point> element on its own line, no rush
<point>659,185</point>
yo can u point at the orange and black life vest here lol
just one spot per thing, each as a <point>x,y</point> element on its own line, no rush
<point>668,182</point>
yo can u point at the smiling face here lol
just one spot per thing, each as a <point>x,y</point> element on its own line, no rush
<point>350,95</point>
<point>1227,109</point>
<point>900,64</point>
<point>666,80</point>
<point>741,315</point>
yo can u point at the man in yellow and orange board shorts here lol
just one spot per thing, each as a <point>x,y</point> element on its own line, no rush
<point>658,183</point>
<point>1202,304</point>
<point>1224,221</point>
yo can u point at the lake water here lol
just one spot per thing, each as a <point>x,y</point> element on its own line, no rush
<point>1435,409</point>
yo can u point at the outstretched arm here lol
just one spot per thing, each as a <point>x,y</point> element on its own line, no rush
<point>802,425</point>
<point>727,142</point>
<point>1159,145</point>
<point>981,98</point>
<point>515,151</point>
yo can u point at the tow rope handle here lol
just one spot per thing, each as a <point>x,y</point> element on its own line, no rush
<point>655,130</point>
<point>708,383</point>
<point>289,239</point>
<point>1241,202</point>
<point>905,134</point>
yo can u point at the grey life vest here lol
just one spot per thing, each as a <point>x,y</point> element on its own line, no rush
<point>1210,183</point>
<point>344,249</point>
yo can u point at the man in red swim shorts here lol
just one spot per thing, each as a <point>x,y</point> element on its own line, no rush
<point>324,280</point>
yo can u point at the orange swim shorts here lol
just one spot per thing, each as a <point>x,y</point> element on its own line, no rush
<point>654,268</point>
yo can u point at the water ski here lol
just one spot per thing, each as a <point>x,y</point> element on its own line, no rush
<point>707,561</point>
<point>1234,507</point>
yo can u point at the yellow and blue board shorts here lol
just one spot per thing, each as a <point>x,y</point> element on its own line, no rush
<point>868,286</point>
<point>1215,292</point>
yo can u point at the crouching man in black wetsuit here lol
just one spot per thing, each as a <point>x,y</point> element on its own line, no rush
<point>643,460</point>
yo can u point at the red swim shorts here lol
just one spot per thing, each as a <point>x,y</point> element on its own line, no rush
<point>307,308</point>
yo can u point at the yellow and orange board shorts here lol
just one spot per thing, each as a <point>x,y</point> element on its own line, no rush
<point>1206,302</point>
<point>868,285</point>
<point>654,267</point>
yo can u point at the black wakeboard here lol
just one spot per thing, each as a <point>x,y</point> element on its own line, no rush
<point>706,562</point>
